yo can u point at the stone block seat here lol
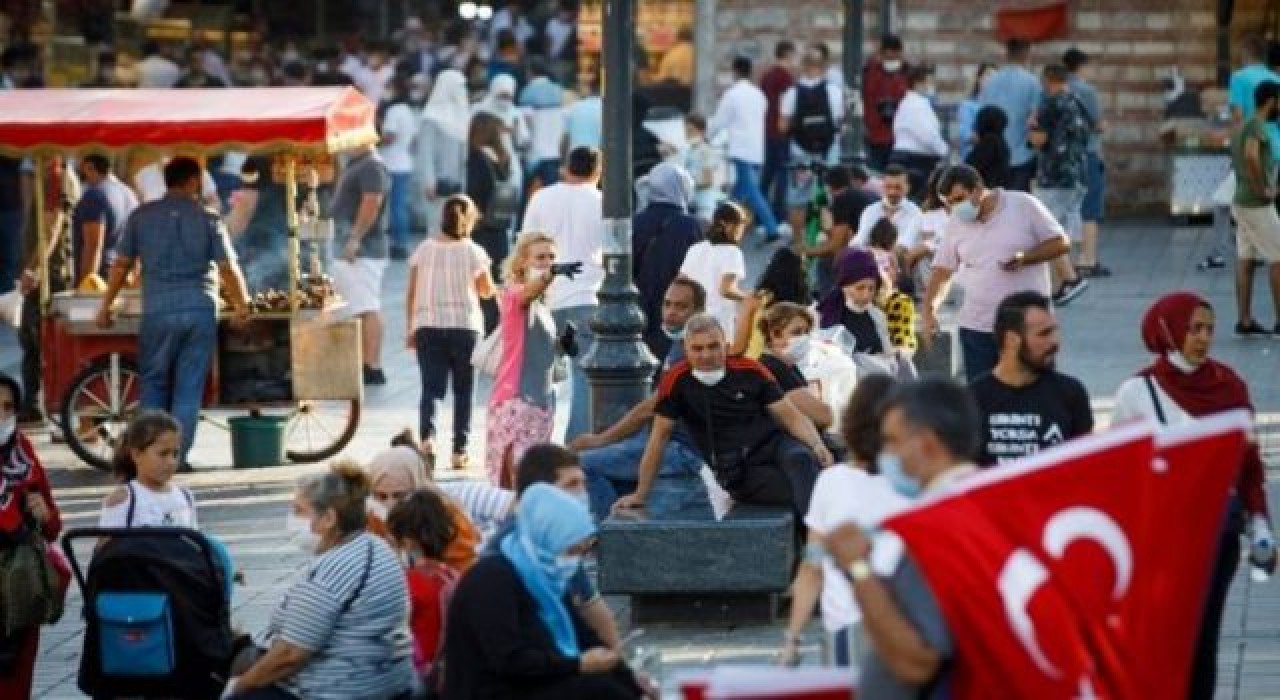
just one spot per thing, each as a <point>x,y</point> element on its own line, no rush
<point>684,566</point>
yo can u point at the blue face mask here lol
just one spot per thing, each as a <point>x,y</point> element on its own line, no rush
<point>965,211</point>
<point>566,566</point>
<point>890,466</point>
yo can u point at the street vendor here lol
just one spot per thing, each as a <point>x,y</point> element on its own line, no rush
<point>180,243</point>
<point>258,225</point>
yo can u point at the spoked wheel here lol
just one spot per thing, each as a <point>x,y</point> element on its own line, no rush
<point>320,429</point>
<point>103,397</point>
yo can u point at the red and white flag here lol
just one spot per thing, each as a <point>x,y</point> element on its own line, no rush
<point>1082,571</point>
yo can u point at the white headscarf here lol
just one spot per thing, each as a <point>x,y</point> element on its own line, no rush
<point>505,110</point>
<point>448,105</point>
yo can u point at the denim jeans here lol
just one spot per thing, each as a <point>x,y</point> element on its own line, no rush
<point>612,472</point>
<point>445,353</point>
<point>580,389</point>
<point>774,176</point>
<point>10,249</point>
<point>979,351</point>
<point>746,189</point>
<point>399,209</point>
<point>175,349</point>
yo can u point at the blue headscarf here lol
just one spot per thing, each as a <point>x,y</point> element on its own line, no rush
<point>548,521</point>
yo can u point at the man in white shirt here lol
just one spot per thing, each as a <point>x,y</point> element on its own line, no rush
<point>399,127</point>
<point>917,134</point>
<point>893,206</point>
<point>155,70</point>
<point>572,212</point>
<point>810,113</point>
<point>741,113</point>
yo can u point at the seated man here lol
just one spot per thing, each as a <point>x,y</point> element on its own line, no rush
<point>762,449</point>
<point>610,458</point>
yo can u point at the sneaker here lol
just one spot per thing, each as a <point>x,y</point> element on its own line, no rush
<point>1212,262</point>
<point>1069,291</point>
<point>1251,329</point>
<point>374,377</point>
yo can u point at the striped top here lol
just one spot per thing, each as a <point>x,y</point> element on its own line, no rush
<point>487,506</point>
<point>361,650</point>
<point>445,296</point>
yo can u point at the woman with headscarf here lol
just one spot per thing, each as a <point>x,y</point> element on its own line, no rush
<point>662,234</point>
<point>396,473</point>
<point>512,633</point>
<point>442,142</point>
<point>1183,384</point>
<point>500,101</point>
<point>855,305</point>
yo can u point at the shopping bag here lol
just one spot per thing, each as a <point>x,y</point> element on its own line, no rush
<point>488,353</point>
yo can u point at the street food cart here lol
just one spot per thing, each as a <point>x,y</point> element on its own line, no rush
<point>298,359</point>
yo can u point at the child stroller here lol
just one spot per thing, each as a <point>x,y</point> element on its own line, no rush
<point>158,622</point>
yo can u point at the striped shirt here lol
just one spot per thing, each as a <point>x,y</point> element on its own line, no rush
<point>445,296</point>
<point>487,506</point>
<point>363,651</point>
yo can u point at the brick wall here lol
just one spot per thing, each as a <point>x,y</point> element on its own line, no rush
<point>1133,44</point>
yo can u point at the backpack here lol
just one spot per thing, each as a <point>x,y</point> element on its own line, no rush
<point>813,126</point>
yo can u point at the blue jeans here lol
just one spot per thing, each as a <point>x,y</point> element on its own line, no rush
<point>580,388</point>
<point>174,352</point>
<point>746,189</point>
<point>399,209</point>
<point>773,178</point>
<point>10,249</point>
<point>612,472</point>
<point>445,353</point>
<point>979,351</point>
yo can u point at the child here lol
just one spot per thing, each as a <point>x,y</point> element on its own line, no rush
<point>422,528</point>
<point>717,264</point>
<point>898,307</point>
<point>704,164</point>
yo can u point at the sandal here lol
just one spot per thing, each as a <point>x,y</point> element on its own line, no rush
<point>1095,270</point>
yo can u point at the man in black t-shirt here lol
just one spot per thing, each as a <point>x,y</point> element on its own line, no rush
<point>761,448</point>
<point>1026,404</point>
<point>847,188</point>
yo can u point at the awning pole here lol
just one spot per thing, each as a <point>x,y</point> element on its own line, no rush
<point>42,236</point>
<point>291,214</point>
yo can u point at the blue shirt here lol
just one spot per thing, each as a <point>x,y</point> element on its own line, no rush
<point>583,123</point>
<point>180,244</point>
<point>1017,91</point>
<point>541,93</point>
<point>1240,95</point>
<point>93,207</point>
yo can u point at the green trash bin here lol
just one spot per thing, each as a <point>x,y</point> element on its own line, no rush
<point>257,441</point>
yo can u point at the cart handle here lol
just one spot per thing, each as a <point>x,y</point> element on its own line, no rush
<point>194,536</point>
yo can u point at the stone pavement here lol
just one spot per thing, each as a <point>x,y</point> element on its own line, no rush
<point>247,508</point>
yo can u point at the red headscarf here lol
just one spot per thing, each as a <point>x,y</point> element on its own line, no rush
<point>1212,387</point>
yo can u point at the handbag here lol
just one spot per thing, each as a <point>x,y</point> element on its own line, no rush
<point>30,591</point>
<point>488,353</point>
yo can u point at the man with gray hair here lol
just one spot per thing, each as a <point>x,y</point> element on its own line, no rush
<point>762,449</point>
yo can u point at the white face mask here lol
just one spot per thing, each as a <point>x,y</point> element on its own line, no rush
<point>893,66</point>
<point>856,308</point>
<point>798,347</point>
<point>539,273</point>
<point>299,529</point>
<point>7,428</point>
<point>1180,361</point>
<point>377,508</point>
<point>709,377</point>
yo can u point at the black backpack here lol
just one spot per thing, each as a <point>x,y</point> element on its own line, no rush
<point>813,126</point>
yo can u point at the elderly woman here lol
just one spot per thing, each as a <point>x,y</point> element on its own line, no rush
<point>512,633</point>
<point>342,629</point>
<point>1183,384</point>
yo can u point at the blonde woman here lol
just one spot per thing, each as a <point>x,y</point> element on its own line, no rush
<point>521,407</point>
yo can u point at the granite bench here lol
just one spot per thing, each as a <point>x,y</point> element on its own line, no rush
<point>684,565</point>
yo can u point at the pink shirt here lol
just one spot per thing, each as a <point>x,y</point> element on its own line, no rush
<point>975,252</point>
<point>512,324</point>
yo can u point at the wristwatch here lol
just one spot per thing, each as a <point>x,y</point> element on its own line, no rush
<point>859,570</point>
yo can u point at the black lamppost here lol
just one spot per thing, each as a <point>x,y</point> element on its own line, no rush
<point>618,364</point>
<point>851,146</point>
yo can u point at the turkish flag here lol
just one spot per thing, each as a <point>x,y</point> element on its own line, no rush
<point>1080,572</point>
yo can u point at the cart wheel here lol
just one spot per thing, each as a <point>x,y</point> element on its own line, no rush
<point>103,397</point>
<point>320,429</point>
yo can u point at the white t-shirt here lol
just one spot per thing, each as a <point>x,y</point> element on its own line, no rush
<point>399,123</point>
<point>172,508</point>
<point>843,495</point>
<point>574,216</point>
<point>149,182</point>
<point>906,217</point>
<point>707,264</point>
<point>546,125</point>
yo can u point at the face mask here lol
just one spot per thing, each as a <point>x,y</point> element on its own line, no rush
<point>855,307</point>
<point>673,333</point>
<point>893,66</point>
<point>299,528</point>
<point>1180,361</point>
<point>890,466</point>
<point>709,377</point>
<point>538,273</point>
<point>583,499</point>
<point>7,427</point>
<point>566,567</point>
<point>965,211</point>
<point>417,95</point>
<point>377,508</point>
<point>798,347</point>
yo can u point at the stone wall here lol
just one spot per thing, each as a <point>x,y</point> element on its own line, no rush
<point>1133,44</point>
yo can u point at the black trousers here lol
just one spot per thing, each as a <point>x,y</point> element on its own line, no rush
<point>779,472</point>
<point>495,242</point>
<point>1204,666</point>
<point>878,155</point>
<point>1020,176</point>
<point>29,339</point>
<point>444,355</point>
